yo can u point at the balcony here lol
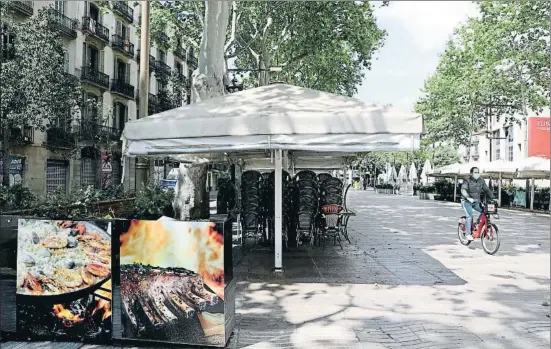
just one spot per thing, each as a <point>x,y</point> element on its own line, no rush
<point>151,61</point>
<point>64,24</point>
<point>90,130</point>
<point>161,39</point>
<point>152,103</point>
<point>60,137</point>
<point>180,53</point>
<point>20,135</point>
<point>122,45</point>
<point>162,68</point>
<point>122,88</point>
<point>192,60</point>
<point>122,8</point>
<point>23,7</point>
<point>94,77</point>
<point>92,27</point>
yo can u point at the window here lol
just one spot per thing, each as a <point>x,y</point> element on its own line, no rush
<point>60,7</point>
<point>510,143</point>
<point>89,167</point>
<point>120,116</point>
<point>8,43</point>
<point>162,56</point>
<point>93,57</point>
<point>122,30</point>
<point>57,172</point>
<point>497,145</point>
<point>66,61</point>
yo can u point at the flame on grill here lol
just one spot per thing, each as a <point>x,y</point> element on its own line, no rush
<point>105,306</point>
<point>196,246</point>
<point>69,319</point>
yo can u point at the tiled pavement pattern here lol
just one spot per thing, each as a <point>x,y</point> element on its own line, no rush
<point>404,282</point>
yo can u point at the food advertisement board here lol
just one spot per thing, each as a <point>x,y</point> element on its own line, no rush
<point>172,283</point>
<point>538,137</point>
<point>63,289</point>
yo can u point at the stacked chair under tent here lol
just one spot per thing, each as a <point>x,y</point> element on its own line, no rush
<point>322,177</point>
<point>307,205</point>
<point>331,199</point>
<point>268,205</point>
<point>251,209</point>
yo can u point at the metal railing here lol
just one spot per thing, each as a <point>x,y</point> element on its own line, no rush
<point>94,76</point>
<point>151,60</point>
<point>192,60</point>
<point>162,68</point>
<point>60,136</point>
<point>123,9</point>
<point>179,52</point>
<point>123,88</point>
<point>122,44</point>
<point>161,38</point>
<point>91,130</point>
<point>95,28</point>
<point>24,7</point>
<point>20,135</point>
<point>66,25</point>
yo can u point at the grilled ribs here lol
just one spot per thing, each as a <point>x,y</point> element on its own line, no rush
<point>162,295</point>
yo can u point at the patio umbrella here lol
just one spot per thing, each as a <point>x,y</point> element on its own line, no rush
<point>413,173</point>
<point>402,174</point>
<point>427,170</point>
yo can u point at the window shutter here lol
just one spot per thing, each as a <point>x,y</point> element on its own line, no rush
<point>85,61</point>
<point>119,28</point>
<point>115,70</point>
<point>127,72</point>
<point>86,9</point>
<point>101,60</point>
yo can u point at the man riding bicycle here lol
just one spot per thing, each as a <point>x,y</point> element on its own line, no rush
<point>471,191</point>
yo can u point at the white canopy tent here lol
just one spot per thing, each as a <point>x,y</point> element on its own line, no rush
<point>402,174</point>
<point>413,173</point>
<point>266,121</point>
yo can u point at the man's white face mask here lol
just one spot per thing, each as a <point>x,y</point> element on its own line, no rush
<point>476,175</point>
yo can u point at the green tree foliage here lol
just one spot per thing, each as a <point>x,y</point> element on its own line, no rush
<point>320,45</point>
<point>36,92</point>
<point>496,65</point>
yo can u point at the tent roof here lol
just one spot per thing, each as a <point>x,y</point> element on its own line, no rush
<point>276,116</point>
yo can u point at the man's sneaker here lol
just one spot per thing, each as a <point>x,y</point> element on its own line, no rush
<point>470,238</point>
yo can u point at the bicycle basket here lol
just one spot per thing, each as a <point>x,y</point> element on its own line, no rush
<point>492,209</point>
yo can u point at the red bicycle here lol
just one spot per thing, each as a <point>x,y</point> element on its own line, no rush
<point>485,229</point>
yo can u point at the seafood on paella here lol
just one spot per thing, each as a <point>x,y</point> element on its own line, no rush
<point>57,257</point>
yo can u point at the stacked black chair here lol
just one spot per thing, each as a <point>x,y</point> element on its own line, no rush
<point>331,191</point>
<point>269,205</point>
<point>251,206</point>
<point>307,204</point>
<point>322,177</point>
<point>225,200</point>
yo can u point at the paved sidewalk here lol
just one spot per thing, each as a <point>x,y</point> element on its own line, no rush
<point>404,282</point>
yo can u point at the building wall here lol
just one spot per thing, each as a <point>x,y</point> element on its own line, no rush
<point>484,149</point>
<point>36,156</point>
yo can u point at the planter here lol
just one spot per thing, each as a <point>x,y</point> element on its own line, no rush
<point>385,191</point>
<point>426,196</point>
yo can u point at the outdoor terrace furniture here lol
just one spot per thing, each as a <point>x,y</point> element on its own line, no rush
<point>330,227</point>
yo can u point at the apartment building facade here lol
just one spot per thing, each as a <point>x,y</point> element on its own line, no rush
<point>510,141</point>
<point>102,51</point>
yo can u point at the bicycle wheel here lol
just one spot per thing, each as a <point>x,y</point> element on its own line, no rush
<point>490,239</point>
<point>461,234</point>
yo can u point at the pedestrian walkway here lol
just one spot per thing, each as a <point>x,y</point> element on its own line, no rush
<point>404,282</point>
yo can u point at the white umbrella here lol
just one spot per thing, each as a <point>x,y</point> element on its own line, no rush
<point>427,170</point>
<point>413,173</point>
<point>402,174</point>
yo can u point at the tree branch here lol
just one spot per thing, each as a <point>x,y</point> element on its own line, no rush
<point>233,27</point>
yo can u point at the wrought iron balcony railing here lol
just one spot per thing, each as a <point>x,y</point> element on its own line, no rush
<point>20,135</point>
<point>192,60</point>
<point>180,52</point>
<point>95,28</point>
<point>90,130</point>
<point>95,77</point>
<point>162,68</point>
<point>151,61</point>
<point>122,44</point>
<point>60,137</point>
<point>161,38</point>
<point>122,88</point>
<point>64,24</point>
<point>122,8</point>
<point>23,7</point>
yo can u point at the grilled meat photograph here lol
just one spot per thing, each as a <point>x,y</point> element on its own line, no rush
<point>164,301</point>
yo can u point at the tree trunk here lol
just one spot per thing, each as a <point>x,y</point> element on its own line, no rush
<point>6,157</point>
<point>191,197</point>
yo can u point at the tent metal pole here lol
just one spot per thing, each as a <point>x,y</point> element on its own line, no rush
<point>278,212</point>
<point>532,193</point>
<point>499,190</point>
<point>455,189</point>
